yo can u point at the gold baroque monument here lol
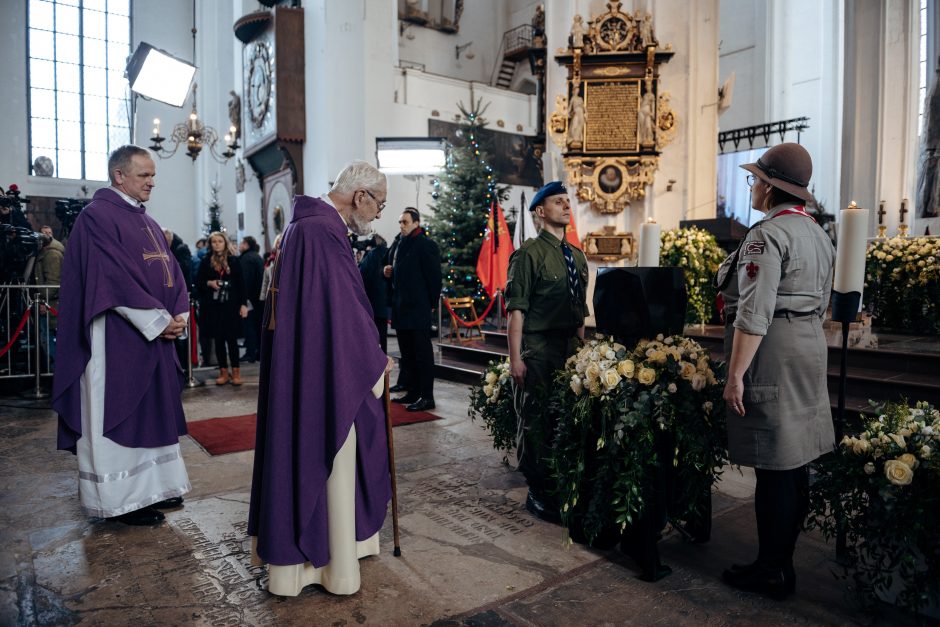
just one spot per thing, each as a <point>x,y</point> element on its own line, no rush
<point>614,122</point>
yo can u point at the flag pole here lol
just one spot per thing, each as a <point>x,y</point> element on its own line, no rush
<point>391,465</point>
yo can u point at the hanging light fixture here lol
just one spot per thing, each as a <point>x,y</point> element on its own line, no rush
<point>195,135</point>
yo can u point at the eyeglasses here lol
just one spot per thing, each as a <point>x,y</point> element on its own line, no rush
<point>381,205</point>
<point>751,179</point>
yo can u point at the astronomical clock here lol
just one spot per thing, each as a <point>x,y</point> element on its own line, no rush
<point>274,122</point>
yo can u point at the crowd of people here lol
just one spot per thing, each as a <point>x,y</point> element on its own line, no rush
<point>321,481</point>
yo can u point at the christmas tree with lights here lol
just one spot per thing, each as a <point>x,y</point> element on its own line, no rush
<point>214,223</point>
<point>464,192</point>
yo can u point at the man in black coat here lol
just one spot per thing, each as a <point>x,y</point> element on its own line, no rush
<point>416,289</point>
<point>371,267</point>
<point>185,260</point>
<point>253,273</point>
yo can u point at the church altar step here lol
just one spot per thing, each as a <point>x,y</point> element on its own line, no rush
<point>877,374</point>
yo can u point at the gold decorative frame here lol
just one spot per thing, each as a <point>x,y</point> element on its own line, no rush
<point>608,245</point>
<point>610,162</point>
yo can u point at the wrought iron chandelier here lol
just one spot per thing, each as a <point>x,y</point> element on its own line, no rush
<point>195,135</point>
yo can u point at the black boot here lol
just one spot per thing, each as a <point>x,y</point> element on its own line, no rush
<point>140,517</point>
<point>775,583</point>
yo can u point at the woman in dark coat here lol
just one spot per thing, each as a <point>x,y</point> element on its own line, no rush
<point>222,305</point>
<point>776,289</point>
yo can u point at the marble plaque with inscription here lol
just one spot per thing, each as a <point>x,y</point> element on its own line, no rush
<point>611,124</point>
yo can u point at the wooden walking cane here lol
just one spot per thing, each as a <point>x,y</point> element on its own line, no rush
<point>391,464</point>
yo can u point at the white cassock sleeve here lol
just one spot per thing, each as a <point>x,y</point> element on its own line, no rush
<point>150,322</point>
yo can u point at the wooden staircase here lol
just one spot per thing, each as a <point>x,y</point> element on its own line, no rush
<point>908,370</point>
<point>506,71</point>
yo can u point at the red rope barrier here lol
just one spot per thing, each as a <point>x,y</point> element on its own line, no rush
<point>16,334</point>
<point>53,310</point>
<point>474,323</point>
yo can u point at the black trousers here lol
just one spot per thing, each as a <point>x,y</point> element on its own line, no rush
<point>417,360</point>
<point>252,332</point>
<point>220,345</point>
<point>382,325</point>
<point>781,502</point>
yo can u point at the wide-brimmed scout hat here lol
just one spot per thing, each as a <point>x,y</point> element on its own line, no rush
<point>785,166</point>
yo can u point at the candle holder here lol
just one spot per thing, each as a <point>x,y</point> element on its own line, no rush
<point>844,310</point>
<point>902,230</point>
<point>882,232</point>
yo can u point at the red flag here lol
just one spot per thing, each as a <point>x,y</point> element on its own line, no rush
<point>571,233</point>
<point>493,262</point>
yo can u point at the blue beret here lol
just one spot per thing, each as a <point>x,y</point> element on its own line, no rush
<point>550,189</point>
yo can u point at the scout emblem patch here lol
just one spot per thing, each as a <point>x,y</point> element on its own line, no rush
<point>754,248</point>
<point>752,269</point>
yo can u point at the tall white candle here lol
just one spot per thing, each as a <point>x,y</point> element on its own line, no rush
<point>850,254</point>
<point>649,245</point>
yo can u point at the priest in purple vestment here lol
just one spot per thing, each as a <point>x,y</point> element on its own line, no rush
<point>123,302</point>
<point>321,481</point>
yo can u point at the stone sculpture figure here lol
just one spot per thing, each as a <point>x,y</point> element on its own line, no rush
<point>576,121</point>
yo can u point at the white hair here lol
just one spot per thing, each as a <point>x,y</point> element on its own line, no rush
<point>358,175</point>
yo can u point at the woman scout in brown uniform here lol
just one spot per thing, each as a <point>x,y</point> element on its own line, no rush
<point>776,289</point>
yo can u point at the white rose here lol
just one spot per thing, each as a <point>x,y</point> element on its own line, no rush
<point>646,376</point>
<point>592,372</point>
<point>910,460</point>
<point>488,390</point>
<point>491,377</point>
<point>698,381</point>
<point>611,378</point>
<point>576,386</point>
<point>898,472</point>
<point>707,406</point>
<point>672,388</point>
<point>869,468</point>
<point>626,368</point>
<point>610,354</point>
<point>925,451</point>
<point>686,370</point>
<point>860,446</point>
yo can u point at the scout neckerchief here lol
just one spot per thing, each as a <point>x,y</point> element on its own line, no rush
<point>574,282</point>
<point>799,210</point>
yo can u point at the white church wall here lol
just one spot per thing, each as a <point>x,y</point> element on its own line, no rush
<point>483,23</point>
<point>787,59</point>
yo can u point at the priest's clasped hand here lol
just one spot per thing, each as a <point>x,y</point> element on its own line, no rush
<point>174,330</point>
<point>388,366</point>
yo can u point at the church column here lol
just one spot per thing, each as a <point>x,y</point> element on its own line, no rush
<point>879,138</point>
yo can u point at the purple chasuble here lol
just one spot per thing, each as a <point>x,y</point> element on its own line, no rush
<point>318,367</point>
<point>117,257</point>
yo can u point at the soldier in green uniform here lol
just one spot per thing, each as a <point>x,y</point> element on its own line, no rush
<point>546,300</point>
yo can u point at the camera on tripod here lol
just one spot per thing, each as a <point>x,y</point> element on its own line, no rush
<point>67,211</point>
<point>18,248</point>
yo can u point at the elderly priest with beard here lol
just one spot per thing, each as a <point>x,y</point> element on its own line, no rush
<point>321,482</point>
<point>117,382</point>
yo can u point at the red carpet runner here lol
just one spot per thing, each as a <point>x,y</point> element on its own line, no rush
<point>232,434</point>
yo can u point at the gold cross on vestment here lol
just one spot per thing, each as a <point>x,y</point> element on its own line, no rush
<point>156,253</point>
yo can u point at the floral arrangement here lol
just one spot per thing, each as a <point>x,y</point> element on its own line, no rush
<point>698,253</point>
<point>616,408</point>
<point>880,488</point>
<point>491,401</point>
<point>902,283</point>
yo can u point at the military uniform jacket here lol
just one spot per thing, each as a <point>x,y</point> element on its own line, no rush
<point>783,267</point>
<point>537,286</point>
